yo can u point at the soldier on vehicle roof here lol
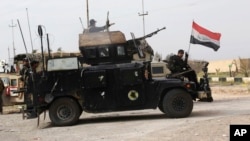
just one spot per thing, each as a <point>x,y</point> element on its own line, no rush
<point>93,28</point>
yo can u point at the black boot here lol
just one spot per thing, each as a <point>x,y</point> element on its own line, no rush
<point>31,113</point>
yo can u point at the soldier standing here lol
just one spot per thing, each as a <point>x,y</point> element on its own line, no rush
<point>24,72</point>
<point>32,79</point>
<point>25,77</point>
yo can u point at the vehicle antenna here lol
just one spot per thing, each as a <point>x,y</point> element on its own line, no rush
<point>48,45</point>
<point>81,23</point>
<point>87,3</point>
<point>32,77</point>
<point>107,22</point>
<point>29,30</point>
<point>23,40</point>
<point>40,32</point>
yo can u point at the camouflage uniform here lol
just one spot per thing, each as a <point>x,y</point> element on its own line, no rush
<point>177,65</point>
<point>24,72</point>
<point>31,80</point>
<point>26,78</point>
<point>93,28</point>
<point>96,29</point>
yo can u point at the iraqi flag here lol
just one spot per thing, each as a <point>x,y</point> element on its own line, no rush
<point>205,37</point>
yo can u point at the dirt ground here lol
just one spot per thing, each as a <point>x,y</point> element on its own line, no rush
<point>208,122</point>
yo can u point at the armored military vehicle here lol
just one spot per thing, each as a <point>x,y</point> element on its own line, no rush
<point>111,74</point>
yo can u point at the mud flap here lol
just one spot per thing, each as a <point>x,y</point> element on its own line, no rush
<point>205,96</point>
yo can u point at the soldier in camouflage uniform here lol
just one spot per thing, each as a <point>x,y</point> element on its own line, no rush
<point>26,78</point>
<point>93,28</point>
<point>177,65</point>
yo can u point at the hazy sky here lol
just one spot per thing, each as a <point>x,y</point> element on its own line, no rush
<point>61,21</point>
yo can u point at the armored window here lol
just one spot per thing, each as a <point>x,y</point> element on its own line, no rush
<point>157,70</point>
<point>120,51</point>
<point>90,53</point>
<point>5,80</point>
<point>103,51</point>
<point>13,82</point>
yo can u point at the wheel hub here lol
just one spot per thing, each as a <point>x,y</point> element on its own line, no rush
<point>64,112</point>
<point>178,104</point>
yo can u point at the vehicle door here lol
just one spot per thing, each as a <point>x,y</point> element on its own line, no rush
<point>131,91</point>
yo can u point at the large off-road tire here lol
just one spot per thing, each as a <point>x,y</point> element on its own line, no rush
<point>64,112</point>
<point>160,107</point>
<point>177,103</point>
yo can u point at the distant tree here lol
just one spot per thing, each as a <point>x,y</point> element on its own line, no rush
<point>168,56</point>
<point>59,49</point>
<point>217,71</point>
<point>34,51</point>
<point>244,67</point>
<point>234,72</point>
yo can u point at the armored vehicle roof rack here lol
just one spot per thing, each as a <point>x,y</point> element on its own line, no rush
<point>101,38</point>
<point>103,48</point>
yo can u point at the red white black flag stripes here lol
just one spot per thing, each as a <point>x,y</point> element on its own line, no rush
<point>205,37</point>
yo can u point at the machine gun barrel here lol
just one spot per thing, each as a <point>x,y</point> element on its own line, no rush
<point>151,34</point>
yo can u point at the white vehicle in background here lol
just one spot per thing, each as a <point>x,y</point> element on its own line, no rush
<point>15,85</point>
<point>159,70</point>
<point>12,83</point>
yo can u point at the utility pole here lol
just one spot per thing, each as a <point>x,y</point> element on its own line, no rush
<point>143,14</point>
<point>9,54</point>
<point>12,26</point>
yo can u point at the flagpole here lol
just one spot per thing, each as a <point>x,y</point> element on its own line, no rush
<point>190,37</point>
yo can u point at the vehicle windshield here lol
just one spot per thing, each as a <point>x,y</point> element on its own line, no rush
<point>13,82</point>
<point>6,81</point>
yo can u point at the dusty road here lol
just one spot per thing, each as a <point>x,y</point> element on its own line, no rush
<point>208,122</point>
